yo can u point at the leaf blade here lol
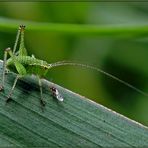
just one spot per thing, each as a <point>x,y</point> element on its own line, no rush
<point>76,122</point>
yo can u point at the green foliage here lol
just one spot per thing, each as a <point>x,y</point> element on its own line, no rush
<point>78,29</point>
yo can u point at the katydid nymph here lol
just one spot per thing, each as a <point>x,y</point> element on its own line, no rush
<point>22,64</point>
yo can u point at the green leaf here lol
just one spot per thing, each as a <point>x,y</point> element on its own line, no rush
<point>131,30</point>
<point>76,122</point>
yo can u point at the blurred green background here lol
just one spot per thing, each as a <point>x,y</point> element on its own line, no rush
<point>123,56</point>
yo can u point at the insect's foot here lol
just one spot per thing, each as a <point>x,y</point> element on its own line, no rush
<point>8,99</point>
<point>43,103</point>
<point>1,88</point>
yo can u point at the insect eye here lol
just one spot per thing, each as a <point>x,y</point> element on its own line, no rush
<point>22,27</point>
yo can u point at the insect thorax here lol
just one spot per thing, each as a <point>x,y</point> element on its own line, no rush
<point>31,64</point>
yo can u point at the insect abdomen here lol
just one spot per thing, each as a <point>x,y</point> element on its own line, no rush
<point>36,69</point>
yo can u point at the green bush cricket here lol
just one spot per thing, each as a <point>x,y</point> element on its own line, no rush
<point>22,64</point>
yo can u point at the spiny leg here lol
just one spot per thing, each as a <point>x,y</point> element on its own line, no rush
<point>41,93</point>
<point>12,89</point>
<point>4,68</point>
<point>16,40</point>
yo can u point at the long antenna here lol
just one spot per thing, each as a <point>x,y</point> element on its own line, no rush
<point>63,63</point>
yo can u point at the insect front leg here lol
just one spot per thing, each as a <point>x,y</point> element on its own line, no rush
<point>41,93</point>
<point>4,68</point>
<point>16,40</point>
<point>12,89</point>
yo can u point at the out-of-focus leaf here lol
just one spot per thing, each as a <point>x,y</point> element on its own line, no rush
<point>131,30</point>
